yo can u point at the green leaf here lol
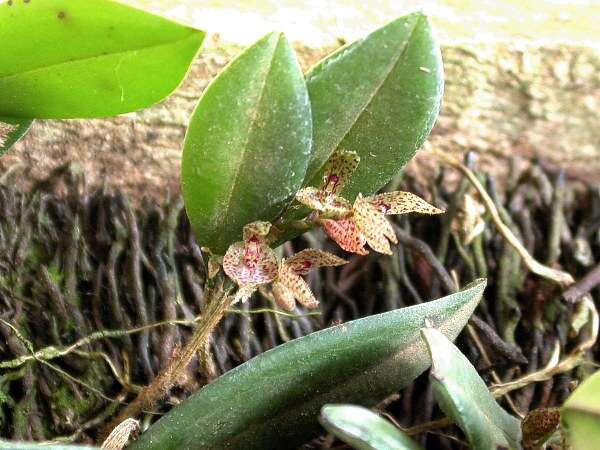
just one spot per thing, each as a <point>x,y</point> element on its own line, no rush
<point>463,395</point>
<point>21,127</point>
<point>379,97</point>
<point>273,400</point>
<point>4,445</point>
<point>88,58</point>
<point>580,415</point>
<point>248,144</point>
<point>363,429</point>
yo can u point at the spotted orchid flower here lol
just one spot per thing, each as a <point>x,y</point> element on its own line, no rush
<point>353,226</point>
<point>5,130</point>
<point>252,263</point>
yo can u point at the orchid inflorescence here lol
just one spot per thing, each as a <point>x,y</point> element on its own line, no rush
<point>252,263</point>
<point>354,225</point>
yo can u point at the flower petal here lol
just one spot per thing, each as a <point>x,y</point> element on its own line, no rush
<point>338,170</point>
<point>257,229</point>
<point>327,203</point>
<point>302,262</point>
<point>283,296</point>
<point>311,197</point>
<point>297,286</point>
<point>399,202</point>
<point>250,264</point>
<point>373,225</point>
<point>346,234</point>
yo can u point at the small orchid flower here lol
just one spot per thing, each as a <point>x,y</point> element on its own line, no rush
<point>251,263</point>
<point>354,226</point>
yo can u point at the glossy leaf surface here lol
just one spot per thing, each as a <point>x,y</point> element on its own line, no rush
<point>463,395</point>
<point>248,144</point>
<point>273,400</point>
<point>363,429</point>
<point>88,58</point>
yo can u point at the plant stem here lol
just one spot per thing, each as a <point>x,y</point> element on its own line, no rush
<point>217,305</point>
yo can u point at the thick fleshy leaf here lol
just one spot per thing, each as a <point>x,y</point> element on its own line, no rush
<point>273,400</point>
<point>15,131</point>
<point>363,429</point>
<point>82,58</point>
<point>580,415</point>
<point>379,97</point>
<point>248,144</point>
<point>463,395</point>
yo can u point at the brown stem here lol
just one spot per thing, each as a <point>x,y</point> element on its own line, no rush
<point>174,371</point>
<point>428,426</point>
<point>583,286</point>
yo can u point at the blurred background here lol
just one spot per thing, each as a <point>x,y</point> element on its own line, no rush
<point>522,79</point>
<point>316,23</point>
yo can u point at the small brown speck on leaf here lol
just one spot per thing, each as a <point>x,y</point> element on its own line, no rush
<point>61,15</point>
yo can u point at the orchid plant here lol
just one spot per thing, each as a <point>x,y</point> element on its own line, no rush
<point>263,133</point>
<point>251,262</point>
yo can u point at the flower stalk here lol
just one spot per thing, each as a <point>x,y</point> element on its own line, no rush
<point>218,301</point>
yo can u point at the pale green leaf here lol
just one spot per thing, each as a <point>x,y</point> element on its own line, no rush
<point>363,429</point>
<point>88,58</point>
<point>463,395</point>
<point>580,415</point>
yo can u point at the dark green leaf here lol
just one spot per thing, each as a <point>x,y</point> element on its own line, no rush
<point>379,97</point>
<point>248,144</point>
<point>273,400</point>
<point>21,127</point>
<point>580,415</point>
<point>84,58</point>
<point>463,395</point>
<point>363,429</point>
